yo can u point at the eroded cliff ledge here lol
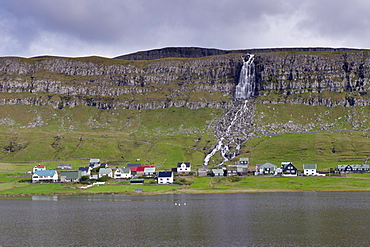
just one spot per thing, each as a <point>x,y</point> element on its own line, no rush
<point>313,76</point>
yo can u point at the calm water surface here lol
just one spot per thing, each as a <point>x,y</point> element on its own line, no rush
<point>248,219</point>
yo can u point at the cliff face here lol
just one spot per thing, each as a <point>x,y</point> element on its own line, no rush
<point>296,76</point>
<point>310,75</point>
<point>107,83</point>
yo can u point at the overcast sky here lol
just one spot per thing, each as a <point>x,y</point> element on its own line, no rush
<point>111,28</point>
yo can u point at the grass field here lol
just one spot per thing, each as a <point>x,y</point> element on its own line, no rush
<point>353,182</point>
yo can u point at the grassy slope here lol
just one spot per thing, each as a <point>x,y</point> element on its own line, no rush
<point>156,137</point>
<point>164,137</point>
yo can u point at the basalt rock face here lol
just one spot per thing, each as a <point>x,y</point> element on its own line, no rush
<point>312,76</point>
<point>109,83</point>
<point>309,78</point>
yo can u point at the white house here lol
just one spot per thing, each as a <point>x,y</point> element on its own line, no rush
<point>217,172</point>
<point>265,169</point>
<point>183,168</point>
<point>39,168</point>
<point>165,177</point>
<point>122,173</point>
<point>85,171</point>
<point>94,163</point>
<point>105,172</point>
<point>45,176</point>
<point>310,170</point>
<point>149,171</point>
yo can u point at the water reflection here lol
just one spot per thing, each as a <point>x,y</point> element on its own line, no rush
<point>254,219</point>
<point>44,198</point>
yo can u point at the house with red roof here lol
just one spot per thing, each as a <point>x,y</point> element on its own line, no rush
<point>39,168</point>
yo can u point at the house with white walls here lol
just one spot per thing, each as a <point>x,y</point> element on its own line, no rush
<point>45,176</point>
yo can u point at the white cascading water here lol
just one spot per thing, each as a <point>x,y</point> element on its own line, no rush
<point>244,90</point>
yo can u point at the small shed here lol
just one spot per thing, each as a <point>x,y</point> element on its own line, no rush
<point>203,171</point>
<point>64,166</point>
<point>243,161</point>
<point>136,181</point>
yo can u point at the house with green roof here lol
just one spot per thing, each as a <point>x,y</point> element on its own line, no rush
<point>217,172</point>
<point>309,169</point>
<point>243,161</point>
<point>70,176</point>
<point>122,173</point>
<point>105,172</point>
<point>265,169</point>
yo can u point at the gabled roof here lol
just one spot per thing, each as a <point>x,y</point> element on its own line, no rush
<point>284,164</point>
<point>133,168</point>
<point>266,165</point>
<point>71,174</point>
<point>45,172</point>
<point>105,170</point>
<point>309,166</point>
<point>83,169</point>
<point>124,170</point>
<point>243,159</point>
<point>361,166</point>
<point>289,166</point>
<point>149,169</point>
<point>186,163</point>
<point>140,168</point>
<point>165,174</point>
<point>40,166</point>
<point>218,170</point>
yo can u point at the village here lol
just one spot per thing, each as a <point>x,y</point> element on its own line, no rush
<point>136,173</point>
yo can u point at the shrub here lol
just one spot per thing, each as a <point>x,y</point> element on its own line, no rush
<point>235,178</point>
<point>85,178</point>
<point>182,181</point>
<point>25,180</point>
<point>103,179</point>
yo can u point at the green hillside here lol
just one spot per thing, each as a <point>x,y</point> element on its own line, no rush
<point>163,137</point>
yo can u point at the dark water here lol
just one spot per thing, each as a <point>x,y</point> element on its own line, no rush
<point>250,219</point>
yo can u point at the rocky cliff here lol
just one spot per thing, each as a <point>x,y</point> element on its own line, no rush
<point>301,78</point>
<point>297,76</point>
<point>110,83</point>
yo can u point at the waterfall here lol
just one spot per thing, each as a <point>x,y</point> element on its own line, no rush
<point>245,88</point>
<point>232,129</point>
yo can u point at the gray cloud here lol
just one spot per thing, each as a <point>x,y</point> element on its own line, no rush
<point>114,27</point>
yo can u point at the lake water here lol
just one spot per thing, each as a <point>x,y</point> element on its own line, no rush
<point>245,219</point>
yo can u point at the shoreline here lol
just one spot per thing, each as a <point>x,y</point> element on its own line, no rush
<point>189,192</point>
